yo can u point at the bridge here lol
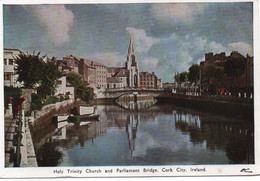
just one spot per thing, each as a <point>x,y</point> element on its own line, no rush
<point>116,93</point>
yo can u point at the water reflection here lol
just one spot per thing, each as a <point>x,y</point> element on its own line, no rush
<point>232,137</point>
<point>141,103</point>
<point>159,135</point>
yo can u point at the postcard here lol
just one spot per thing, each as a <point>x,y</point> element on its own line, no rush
<point>129,89</point>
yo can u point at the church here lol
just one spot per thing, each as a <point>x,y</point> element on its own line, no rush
<point>125,77</point>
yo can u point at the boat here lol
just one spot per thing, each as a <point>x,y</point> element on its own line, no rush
<point>86,110</point>
<point>91,117</point>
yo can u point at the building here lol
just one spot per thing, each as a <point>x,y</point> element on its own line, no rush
<point>114,83</point>
<point>63,89</point>
<point>93,72</point>
<point>88,71</point>
<point>148,80</point>
<point>10,76</point>
<point>72,61</point>
<point>132,66</point>
<point>128,75</point>
<point>159,83</point>
<point>243,83</point>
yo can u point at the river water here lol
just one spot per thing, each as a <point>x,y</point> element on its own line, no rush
<point>159,135</point>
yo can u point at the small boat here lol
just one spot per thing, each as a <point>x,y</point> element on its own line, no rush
<point>84,123</point>
<point>84,110</point>
<point>91,117</point>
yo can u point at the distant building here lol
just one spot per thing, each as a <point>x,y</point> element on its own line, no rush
<point>88,71</point>
<point>148,80</point>
<point>63,89</point>
<point>159,83</point>
<point>93,72</point>
<point>132,67</point>
<point>122,75</point>
<point>72,61</point>
<point>10,76</point>
<point>243,83</point>
<point>114,83</point>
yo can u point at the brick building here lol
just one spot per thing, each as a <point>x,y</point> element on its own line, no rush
<point>243,83</point>
<point>148,80</point>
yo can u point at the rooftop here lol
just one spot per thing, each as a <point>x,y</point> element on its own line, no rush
<point>113,80</point>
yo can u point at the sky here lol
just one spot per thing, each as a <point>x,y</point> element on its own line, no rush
<point>168,38</point>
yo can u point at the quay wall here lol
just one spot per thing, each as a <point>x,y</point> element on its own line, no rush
<point>41,123</point>
<point>226,106</point>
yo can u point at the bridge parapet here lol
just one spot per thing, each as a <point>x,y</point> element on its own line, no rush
<point>115,93</point>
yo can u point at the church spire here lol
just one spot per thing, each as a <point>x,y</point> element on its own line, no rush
<point>131,45</point>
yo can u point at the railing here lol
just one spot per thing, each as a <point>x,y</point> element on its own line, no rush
<point>18,139</point>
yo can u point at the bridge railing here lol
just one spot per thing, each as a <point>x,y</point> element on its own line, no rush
<point>133,89</point>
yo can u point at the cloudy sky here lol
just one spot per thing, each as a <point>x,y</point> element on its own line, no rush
<point>168,38</point>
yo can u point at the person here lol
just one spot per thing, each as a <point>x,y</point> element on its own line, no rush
<point>17,105</point>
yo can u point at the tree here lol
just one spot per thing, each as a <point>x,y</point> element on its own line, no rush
<point>81,90</point>
<point>234,67</point>
<point>177,78</point>
<point>183,76</point>
<point>49,79</point>
<point>29,69</point>
<point>33,71</point>
<point>194,73</point>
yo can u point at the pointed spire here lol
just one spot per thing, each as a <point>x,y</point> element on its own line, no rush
<point>131,45</point>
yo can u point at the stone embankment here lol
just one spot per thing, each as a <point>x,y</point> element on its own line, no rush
<point>41,121</point>
<point>230,106</point>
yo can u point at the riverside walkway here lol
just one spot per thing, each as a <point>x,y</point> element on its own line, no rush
<point>19,150</point>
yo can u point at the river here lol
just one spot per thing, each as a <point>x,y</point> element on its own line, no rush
<point>159,135</point>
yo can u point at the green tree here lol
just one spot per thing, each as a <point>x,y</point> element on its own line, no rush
<point>33,71</point>
<point>234,67</point>
<point>81,90</point>
<point>177,78</point>
<point>29,69</point>
<point>183,76</point>
<point>194,73</point>
<point>49,79</point>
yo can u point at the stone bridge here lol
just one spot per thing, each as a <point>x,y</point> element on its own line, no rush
<point>115,93</point>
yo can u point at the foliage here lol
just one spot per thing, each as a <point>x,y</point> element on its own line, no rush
<point>81,90</point>
<point>33,71</point>
<point>177,78</point>
<point>194,73</point>
<point>183,76</point>
<point>29,69</point>
<point>36,103</point>
<point>209,71</point>
<point>51,100</point>
<point>235,66</point>
<point>49,79</point>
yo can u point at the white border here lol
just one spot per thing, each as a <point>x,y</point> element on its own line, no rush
<point>211,169</point>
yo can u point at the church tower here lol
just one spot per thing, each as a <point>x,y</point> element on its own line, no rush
<point>132,67</point>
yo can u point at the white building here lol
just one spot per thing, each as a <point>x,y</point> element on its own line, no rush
<point>62,88</point>
<point>10,76</point>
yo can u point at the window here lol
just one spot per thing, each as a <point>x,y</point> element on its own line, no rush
<point>7,77</point>
<point>59,82</point>
<point>5,61</point>
<point>11,61</point>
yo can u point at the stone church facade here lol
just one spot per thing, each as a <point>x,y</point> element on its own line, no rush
<point>132,67</point>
